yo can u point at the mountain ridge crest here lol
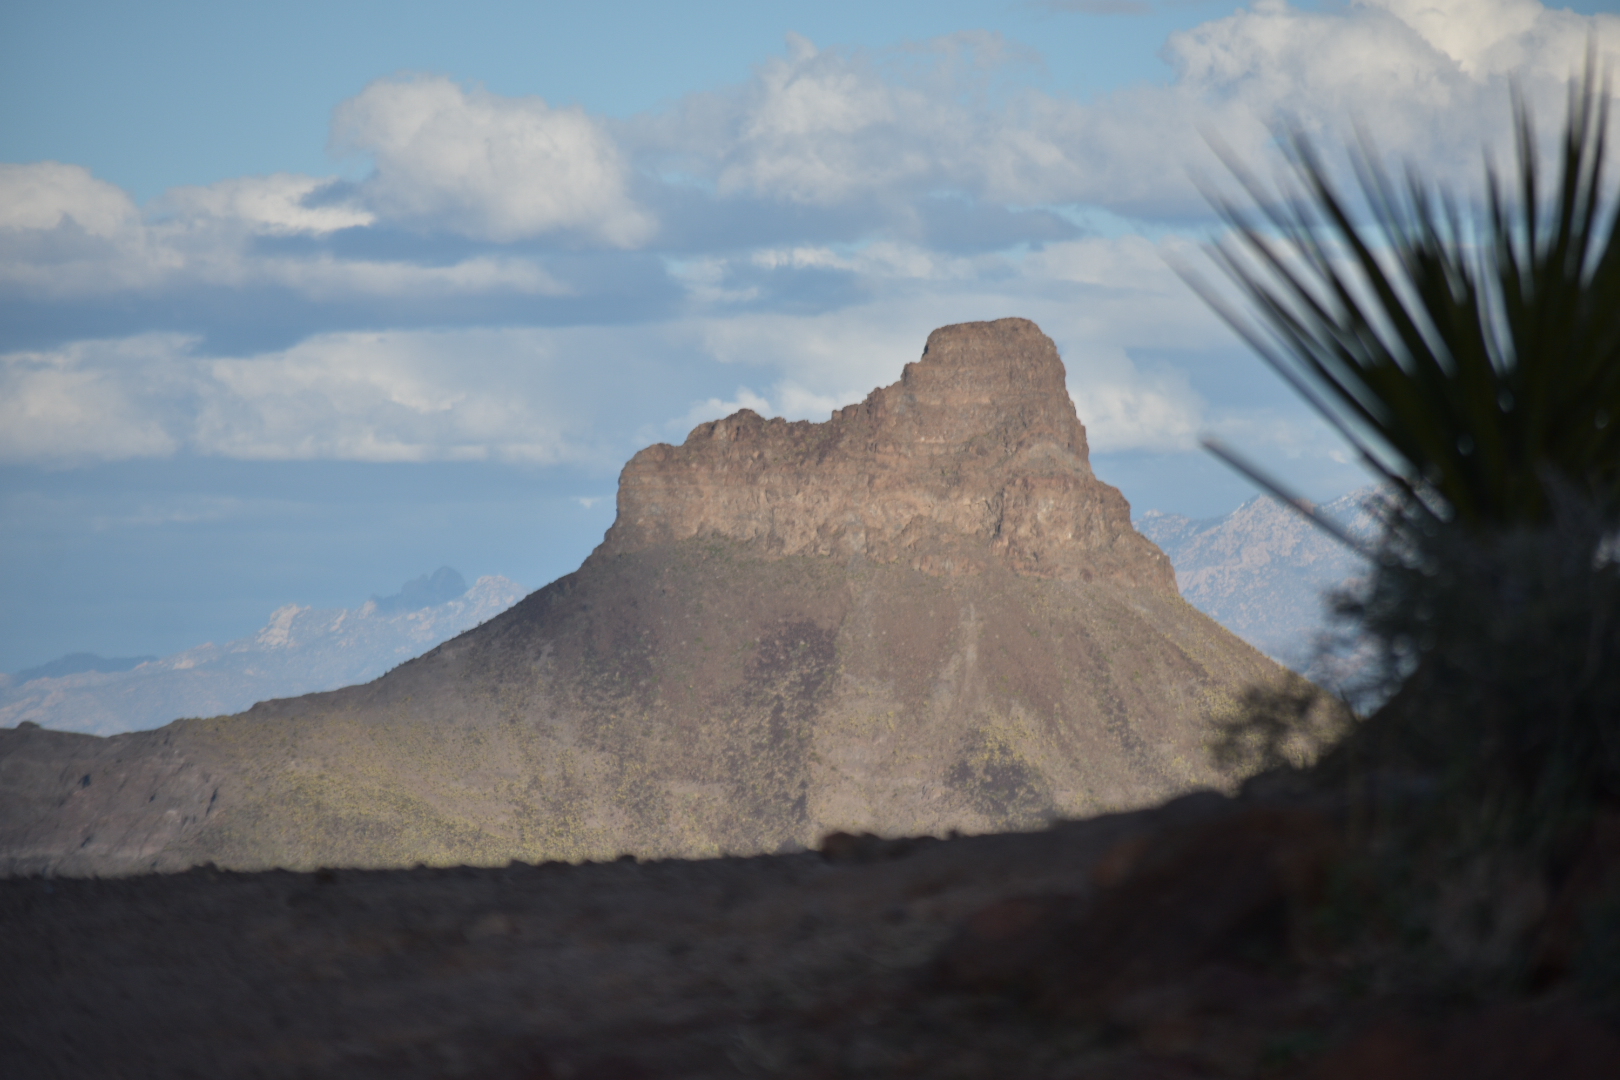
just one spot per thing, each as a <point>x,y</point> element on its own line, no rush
<point>975,454</point>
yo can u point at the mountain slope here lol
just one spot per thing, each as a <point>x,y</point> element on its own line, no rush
<point>924,614</point>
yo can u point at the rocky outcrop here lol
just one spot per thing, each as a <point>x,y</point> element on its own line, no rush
<point>924,615</point>
<point>975,454</point>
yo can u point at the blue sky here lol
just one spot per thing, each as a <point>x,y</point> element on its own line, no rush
<point>298,301</point>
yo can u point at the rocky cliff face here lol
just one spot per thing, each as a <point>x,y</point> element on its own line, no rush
<point>976,454</point>
<point>923,615</point>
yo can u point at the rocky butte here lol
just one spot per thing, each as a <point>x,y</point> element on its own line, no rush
<point>974,457</point>
<point>924,614</point>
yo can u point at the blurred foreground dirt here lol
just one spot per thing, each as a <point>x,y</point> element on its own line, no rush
<point>1170,943</point>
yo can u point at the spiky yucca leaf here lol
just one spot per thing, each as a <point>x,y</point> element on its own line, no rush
<point>1468,356</point>
<point>1472,357</point>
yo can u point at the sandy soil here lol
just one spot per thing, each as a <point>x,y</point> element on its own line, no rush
<point>729,967</point>
<point>1167,944</point>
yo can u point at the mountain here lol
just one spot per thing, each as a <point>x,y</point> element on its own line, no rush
<point>76,664</point>
<point>300,650</point>
<point>924,614</point>
<point>429,590</point>
<point>1263,571</point>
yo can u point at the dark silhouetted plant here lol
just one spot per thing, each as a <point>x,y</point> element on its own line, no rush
<point>1471,355</point>
<point>1470,358</point>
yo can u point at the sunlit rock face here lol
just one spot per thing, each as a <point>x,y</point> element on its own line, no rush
<point>976,454</point>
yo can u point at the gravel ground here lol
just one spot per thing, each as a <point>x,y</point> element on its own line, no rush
<point>1168,944</point>
<point>728,967</point>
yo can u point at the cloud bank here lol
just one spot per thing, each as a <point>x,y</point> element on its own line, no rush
<point>519,281</point>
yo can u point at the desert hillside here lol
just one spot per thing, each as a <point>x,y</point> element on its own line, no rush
<point>924,614</point>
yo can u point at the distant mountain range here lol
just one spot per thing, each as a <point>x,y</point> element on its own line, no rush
<point>76,664</point>
<point>300,650</point>
<point>1263,571</point>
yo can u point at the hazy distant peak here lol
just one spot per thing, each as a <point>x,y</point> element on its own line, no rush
<point>278,631</point>
<point>78,663</point>
<point>429,590</point>
<point>300,649</point>
<point>1263,569</point>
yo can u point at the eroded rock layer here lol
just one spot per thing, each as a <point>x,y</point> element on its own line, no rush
<point>975,454</point>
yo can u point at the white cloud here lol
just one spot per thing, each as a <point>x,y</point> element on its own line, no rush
<point>820,128</point>
<point>823,128</point>
<point>277,204</point>
<point>828,127</point>
<point>48,194</point>
<point>326,277</point>
<point>466,396</point>
<point>398,396</point>
<point>837,355</point>
<point>1125,408</point>
<point>702,412</point>
<point>91,401</point>
<point>491,167</point>
<point>858,145</point>
<point>1500,37</point>
<point>63,232</point>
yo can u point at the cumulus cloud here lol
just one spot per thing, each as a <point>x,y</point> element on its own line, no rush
<point>714,408</point>
<point>1429,77</point>
<point>63,232</point>
<point>784,244</point>
<point>1501,37</point>
<point>400,396</point>
<point>383,397</point>
<point>91,401</point>
<point>49,194</point>
<point>819,127</point>
<point>1127,408</point>
<point>490,167</point>
<point>827,127</point>
<point>281,204</point>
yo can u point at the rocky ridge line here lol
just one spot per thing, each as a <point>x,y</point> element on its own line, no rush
<point>975,454</point>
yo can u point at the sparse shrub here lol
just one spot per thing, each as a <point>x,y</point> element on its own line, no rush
<point>1506,647</point>
<point>1283,726</point>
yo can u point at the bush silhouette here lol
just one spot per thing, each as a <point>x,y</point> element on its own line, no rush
<point>1470,353</point>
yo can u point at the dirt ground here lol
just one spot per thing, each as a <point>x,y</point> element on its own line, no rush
<point>868,959</point>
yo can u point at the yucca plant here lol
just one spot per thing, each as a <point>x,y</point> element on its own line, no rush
<point>1470,353</point>
<point>1471,359</point>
